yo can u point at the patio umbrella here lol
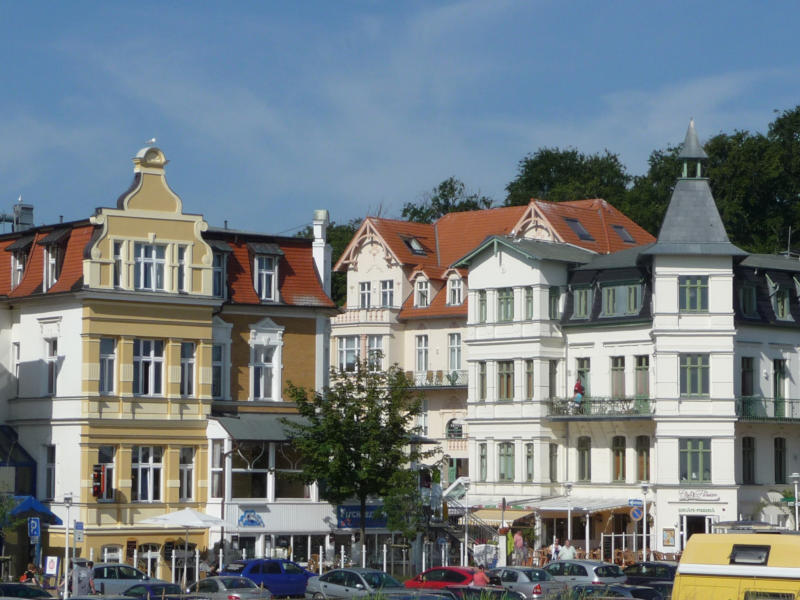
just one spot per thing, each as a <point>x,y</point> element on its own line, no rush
<point>188,519</point>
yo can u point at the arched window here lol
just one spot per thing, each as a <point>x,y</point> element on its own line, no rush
<point>454,430</point>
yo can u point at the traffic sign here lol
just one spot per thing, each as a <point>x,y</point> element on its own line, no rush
<point>78,531</point>
<point>636,513</point>
<point>635,502</point>
<point>34,527</point>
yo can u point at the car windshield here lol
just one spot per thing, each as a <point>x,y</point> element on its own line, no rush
<point>646,593</point>
<point>235,567</point>
<point>538,575</point>
<point>234,583</point>
<point>377,580</point>
<point>609,571</point>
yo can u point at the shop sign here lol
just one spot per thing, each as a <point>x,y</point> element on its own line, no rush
<point>693,510</point>
<point>698,496</point>
<point>250,518</point>
<point>349,516</point>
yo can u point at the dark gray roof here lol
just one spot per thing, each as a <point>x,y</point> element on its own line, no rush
<point>20,243</point>
<point>263,426</point>
<point>771,261</point>
<point>220,245</point>
<point>536,249</point>
<point>692,224</point>
<point>691,145</point>
<point>616,260</point>
<point>265,248</point>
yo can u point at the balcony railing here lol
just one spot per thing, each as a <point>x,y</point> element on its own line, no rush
<point>366,315</point>
<point>437,379</point>
<point>758,408</point>
<point>599,407</point>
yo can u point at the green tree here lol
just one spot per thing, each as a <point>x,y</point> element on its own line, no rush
<point>338,237</point>
<point>357,436</point>
<point>647,199</point>
<point>558,175</point>
<point>450,195</point>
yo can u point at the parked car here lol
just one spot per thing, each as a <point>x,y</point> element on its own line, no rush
<point>22,590</point>
<point>642,573</point>
<point>115,578</point>
<point>618,590</point>
<point>228,587</point>
<point>352,583</point>
<point>662,587</point>
<point>531,582</point>
<point>439,577</point>
<point>575,572</point>
<point>469,592</point>
<point>281,577</point>
<point>148,590</point>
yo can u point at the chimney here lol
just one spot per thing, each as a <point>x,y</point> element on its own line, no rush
<point>23,217</point>
<point>321,250</point>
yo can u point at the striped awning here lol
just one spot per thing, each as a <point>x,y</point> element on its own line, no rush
<point>495,516</point>
<point>583,504</point>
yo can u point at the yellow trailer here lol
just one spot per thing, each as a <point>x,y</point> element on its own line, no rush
<point>739,566</point>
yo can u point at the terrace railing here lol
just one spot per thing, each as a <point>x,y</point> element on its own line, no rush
<point>601,407</point>
<point>759,408</point>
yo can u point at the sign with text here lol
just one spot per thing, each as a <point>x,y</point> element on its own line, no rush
<point>349,516</point>
<point>34,527</point>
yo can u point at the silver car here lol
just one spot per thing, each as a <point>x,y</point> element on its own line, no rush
<point>575,572</point>
<point>115,578</point>
<point>531,582</point>
<point>353,583</point>
<point>229,587</point>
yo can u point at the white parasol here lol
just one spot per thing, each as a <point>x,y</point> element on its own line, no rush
<point>188,519</point>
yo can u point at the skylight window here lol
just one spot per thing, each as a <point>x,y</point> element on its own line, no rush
<point>579,229</point>
<point>624,235</point>
<point>414,245</point>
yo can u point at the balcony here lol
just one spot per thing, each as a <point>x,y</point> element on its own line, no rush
<point>773,410</point>
<point>437,379</point>
<point>599,407</point>
<point>356,316</point>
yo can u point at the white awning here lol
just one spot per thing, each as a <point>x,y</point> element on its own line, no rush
<point>580,504</point>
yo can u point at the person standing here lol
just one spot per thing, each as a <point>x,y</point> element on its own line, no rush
<point>567,551</point>
<point>555,550</point>
<point>82,580</point>
<point>577,395</point>
<point>519,549</point>
<point>480,579</point>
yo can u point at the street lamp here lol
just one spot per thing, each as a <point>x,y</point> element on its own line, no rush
<point>568,489</point>
<point>68,504</point>
<point>645,488</point>
<point>795,479</point>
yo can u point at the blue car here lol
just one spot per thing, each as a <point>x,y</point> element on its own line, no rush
<point>281,577</point>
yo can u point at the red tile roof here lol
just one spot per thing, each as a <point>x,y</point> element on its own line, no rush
<point>298,281</point>
<point>71,276</point>
<point>34,270</point>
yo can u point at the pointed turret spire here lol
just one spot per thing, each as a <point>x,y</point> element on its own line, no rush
<point>692,151</point>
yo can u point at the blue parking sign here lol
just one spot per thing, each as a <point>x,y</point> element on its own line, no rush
<point>34,527</point>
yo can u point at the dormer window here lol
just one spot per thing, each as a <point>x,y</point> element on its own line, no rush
<point>415,246</point>
<point>579,230</point>
<point>150,261</point>
<point>20,250</point>
<point>422,293</point>
<point>265,270</point>
<point>54,246</point>
<point>454,291</point>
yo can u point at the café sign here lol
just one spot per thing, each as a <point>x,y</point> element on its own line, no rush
<point>698,496</point>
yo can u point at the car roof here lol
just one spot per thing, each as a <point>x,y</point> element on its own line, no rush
<point>593,563</point>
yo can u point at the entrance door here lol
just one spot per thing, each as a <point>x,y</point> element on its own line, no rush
<point>695,524</point>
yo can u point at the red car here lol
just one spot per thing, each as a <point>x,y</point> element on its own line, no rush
<point>440,577</point>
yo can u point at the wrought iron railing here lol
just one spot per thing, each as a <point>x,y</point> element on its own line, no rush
<point>428,379</point>
<point>758,408</point>
<point>600,406</point>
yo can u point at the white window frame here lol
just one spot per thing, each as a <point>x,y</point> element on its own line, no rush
<point>107,382</point>
<point>108,462</point>
<point>51,358</point>
<point>265,268</point>
<point>364,294</point>
<point>219,278</point>
<point>266,335</point>
<point>422,356</point>
<point>348,347</point>
<point>151,260</point>
<point>117,255</point>
<point>375,353</point>
<point>186,457</point>
<point>387,293</point>
<point>188,353</point>
<point>183,268</point>
<point>149,471</point>
<point>455,291</point>
<point>454,351</point>
<point>52,255</point>
<point>220,366</point>
<point>148,367</point>
<point>217,466</point>
<point>422,293</point>
<point>18,260</point>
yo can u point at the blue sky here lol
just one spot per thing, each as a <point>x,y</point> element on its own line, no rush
<point>269,110</point>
